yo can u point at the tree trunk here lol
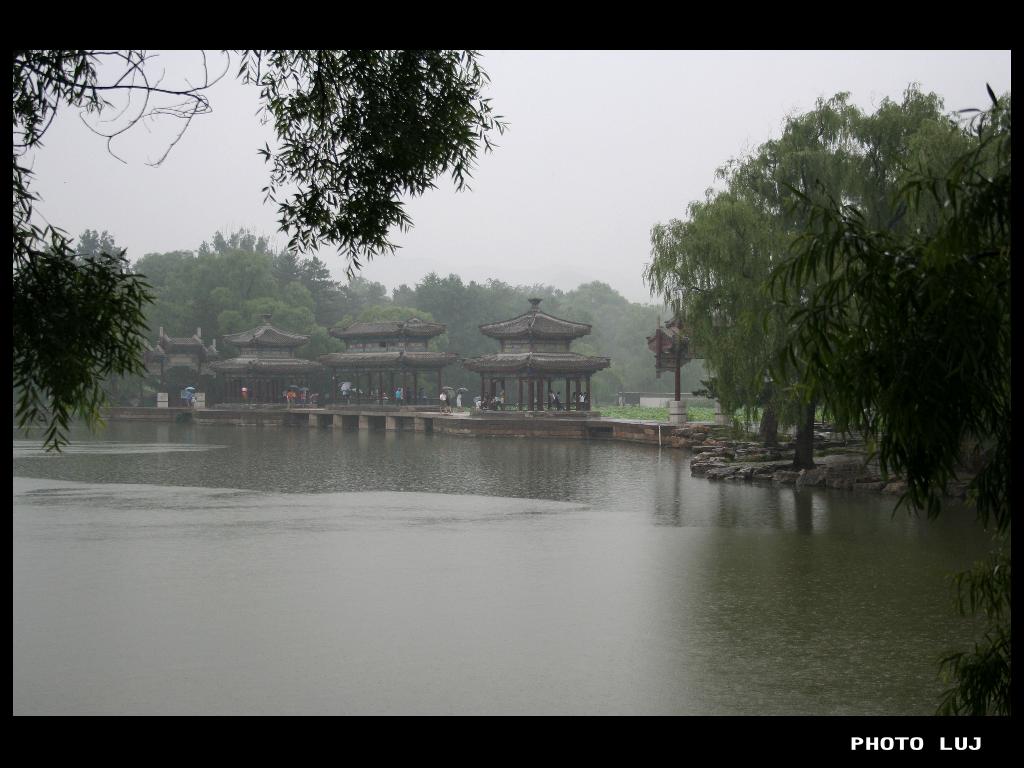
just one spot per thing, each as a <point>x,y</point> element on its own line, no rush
<point>768,432</point>
<point>804,457</point>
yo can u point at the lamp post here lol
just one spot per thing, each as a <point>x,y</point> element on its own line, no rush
<point>671,348</point>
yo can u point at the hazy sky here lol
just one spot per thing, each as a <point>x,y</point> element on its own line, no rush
<point>601,146</point>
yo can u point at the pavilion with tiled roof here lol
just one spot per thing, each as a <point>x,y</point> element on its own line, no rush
<point>266,365</point>
<point>535,355</point>
<point>390,353</point>
<point>181,361</point>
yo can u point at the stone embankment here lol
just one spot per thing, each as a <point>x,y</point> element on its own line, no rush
<point>841,464</point>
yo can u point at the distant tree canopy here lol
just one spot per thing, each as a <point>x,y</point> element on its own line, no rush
<point>226,287</point>
<point>356,131</point>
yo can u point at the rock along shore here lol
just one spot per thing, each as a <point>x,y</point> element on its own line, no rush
<point>840,464</point>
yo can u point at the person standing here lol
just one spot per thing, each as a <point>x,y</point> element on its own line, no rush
<point>458,401</point>
<point>444,401</point>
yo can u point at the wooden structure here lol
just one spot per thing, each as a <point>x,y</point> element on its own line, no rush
<point>671,347</point>
<point>535,357</point>
<point>180,362</point>
<point>266,365</point>
<point>392,353</point>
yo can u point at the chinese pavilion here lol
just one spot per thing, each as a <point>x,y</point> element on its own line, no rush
<point>181,361</point>
<point>672,350</point>
<point>390,352</point>
<point>266,366</point>
<point>535,356</point>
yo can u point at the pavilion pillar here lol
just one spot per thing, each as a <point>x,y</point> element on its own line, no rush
<point>415,389</point>
<point>439,384</point>
<point>483,392</point>
<point>568,400</point>
<point>529,387</point>
<point>380,387</point>
<point>519,402</point>
<point>391,384</point>
<point>588,390</point>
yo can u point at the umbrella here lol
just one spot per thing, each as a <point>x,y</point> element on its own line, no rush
<point>190,389</point>
<point>293,386</point>
<point>463,389</point>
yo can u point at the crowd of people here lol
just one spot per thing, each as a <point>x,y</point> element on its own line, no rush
<point>555,401</point>
<point>449,398</point>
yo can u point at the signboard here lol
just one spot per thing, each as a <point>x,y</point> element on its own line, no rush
<point>161,399</point>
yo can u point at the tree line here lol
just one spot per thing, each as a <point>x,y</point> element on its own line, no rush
<point>230,282</point>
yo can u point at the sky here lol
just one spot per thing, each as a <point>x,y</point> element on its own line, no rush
<point>601,146</point>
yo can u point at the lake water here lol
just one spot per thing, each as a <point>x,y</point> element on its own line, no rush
<point>187,569</point>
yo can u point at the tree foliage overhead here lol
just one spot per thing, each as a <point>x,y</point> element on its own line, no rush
<point>356,130</point>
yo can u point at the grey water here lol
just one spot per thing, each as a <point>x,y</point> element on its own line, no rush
<point>182,569</point>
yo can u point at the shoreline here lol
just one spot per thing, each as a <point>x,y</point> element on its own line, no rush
<point>717,456</point>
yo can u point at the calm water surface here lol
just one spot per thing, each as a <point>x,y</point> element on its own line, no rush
<point>188,569</point>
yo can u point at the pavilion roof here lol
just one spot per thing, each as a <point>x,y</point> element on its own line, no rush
<point>266,335</point>
<point>266,366</point>
<point>554,363</point>
<point>535,324</point>
<point>411,328</point>
<point>187,345</point>
<point>673,340</point>
<point>397,359</point>
<point>151,354</point>
<point>193,345</point>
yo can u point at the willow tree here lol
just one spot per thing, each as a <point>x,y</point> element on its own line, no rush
<point>905,333</point>
<point>356,131</point>
<point>722,255</point>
